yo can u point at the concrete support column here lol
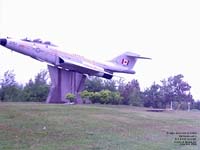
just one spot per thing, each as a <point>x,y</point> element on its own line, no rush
<point>64,82</point>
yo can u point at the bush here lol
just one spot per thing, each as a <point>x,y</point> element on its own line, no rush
<point>71,97</point>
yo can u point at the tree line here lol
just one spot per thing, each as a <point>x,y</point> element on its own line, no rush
<point>171,92</point>
<point>34,91</point>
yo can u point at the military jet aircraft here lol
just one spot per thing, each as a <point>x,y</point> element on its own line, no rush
<point>52,54</point>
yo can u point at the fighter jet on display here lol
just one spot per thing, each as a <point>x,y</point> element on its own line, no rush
<point>52,54</point>
<point>68,71</point>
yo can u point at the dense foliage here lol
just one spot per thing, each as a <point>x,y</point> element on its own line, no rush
<point>34,91</point>
<point>171,92</point>
<point>71,97</point>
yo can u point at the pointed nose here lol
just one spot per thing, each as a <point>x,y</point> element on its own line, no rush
<point>3,42</point>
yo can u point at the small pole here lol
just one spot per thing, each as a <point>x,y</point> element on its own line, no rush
<point>189,106</point>
<point>171,106</point>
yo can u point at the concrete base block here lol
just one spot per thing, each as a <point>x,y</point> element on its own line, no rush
<point>64,82</point>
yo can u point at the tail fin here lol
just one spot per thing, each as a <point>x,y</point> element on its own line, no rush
<point>127,59</point>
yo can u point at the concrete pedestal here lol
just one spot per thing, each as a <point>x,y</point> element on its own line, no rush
<point>64,82</point>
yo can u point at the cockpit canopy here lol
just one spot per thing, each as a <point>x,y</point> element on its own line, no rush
<point>38,41</point>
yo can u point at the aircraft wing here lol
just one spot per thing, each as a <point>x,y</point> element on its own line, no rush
<point>80,66</point>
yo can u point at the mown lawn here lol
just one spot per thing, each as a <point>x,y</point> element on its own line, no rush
<point>35,126</point>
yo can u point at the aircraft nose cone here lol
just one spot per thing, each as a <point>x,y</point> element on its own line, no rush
<point>3,42</point>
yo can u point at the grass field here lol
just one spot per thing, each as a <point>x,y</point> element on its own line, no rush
<point>34,126</point>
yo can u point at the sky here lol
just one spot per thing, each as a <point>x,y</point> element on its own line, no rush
<point>167,31</point>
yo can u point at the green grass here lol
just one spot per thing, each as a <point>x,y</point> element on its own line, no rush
<point>34,126</point>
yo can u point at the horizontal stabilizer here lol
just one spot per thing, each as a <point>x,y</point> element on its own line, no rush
<point>142,57</point>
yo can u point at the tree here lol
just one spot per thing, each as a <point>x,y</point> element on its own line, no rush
<point>42,77</point>
<point>152,96</point>
<point>135,98</point>
<point>38,89</point>
<point>174,89</point>
<point>110,85</point>
<point>129,92</point>
<point>197,105</point>
<point>121,85</point>
<point>10,90</point>
<point>115,98</point>
<point>94,84</point>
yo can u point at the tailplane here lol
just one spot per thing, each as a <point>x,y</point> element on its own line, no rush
<point>127,60</point>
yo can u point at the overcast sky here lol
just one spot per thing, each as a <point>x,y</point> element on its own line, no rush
<point>167,31</point>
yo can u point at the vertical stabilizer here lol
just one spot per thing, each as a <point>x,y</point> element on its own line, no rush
<point>127,59</point>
